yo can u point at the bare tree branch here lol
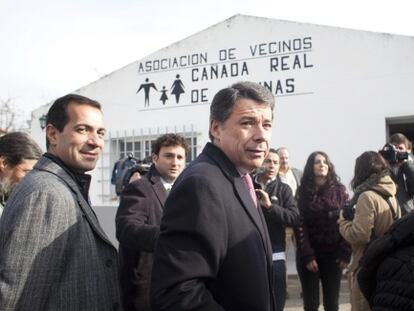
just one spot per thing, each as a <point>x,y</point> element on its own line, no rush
<point>8,114</point>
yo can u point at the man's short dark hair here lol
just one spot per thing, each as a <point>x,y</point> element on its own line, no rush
<point>57,114</point>
<point>168,140</point>
<point>272,150</point>
<point>224,101</point>
<point>16,147</point>
<point>399,138</point>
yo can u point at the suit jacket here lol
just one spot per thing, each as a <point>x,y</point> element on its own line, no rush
<point>54,254</point>
<point>213,252</point>
<point>137,228</point>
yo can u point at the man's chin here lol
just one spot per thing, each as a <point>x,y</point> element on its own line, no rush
<point>85,167</point>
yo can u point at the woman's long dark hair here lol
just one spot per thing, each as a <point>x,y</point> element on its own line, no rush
<point>308,187</point>
<point>367,164</point>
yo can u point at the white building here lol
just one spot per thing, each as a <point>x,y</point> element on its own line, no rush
<point>337,90</point>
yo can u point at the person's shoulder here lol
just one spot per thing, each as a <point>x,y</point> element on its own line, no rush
<point>200,176</point>
<point>285,188</point>
<point>40,179</point>
<point>202,167</point>
<point>369,196</point>
<point>42,182</point>
<point>338,187</point>
<point>138,187</point>
<point>296,170</point>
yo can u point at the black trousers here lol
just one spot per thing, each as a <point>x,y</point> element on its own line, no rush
<point>279,283</point>
<point>329,275</point>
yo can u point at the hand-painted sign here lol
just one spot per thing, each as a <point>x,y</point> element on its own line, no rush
<point>274,64</point>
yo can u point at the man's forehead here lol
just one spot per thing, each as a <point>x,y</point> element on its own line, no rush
<point>283,153</point>
<point>172,149</point>
<point>78,112</point>
<point>272,156</point>
<point>245,105</point>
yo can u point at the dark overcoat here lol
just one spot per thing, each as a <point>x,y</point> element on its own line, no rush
<point>213,252</point>
<point>137,228</point>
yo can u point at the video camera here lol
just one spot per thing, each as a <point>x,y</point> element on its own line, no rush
<point>392,155</point>
<point>141,168</point>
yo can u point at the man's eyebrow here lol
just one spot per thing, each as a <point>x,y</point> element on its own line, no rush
<point>248,118</point>
<point>89,126</point>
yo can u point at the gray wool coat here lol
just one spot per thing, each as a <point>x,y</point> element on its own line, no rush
<point>53,253</point>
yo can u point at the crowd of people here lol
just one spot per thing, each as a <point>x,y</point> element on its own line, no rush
<point>211,236</point>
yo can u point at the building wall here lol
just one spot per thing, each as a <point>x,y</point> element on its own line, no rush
<point>334,89</point>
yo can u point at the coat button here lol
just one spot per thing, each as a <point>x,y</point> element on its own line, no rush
<point>108,263</point>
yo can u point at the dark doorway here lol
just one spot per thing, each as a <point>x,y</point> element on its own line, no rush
<point>404,125</point>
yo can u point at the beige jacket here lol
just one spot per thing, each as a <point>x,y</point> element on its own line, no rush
<point>372,214</point>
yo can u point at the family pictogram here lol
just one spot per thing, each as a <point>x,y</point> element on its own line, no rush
<point>177,88</point>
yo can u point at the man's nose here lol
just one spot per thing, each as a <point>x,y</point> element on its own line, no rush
<point>174,161</point>
<point>95,140</point>
<point>260,133</point>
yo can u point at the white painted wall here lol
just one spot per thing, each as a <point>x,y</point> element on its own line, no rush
<point>352,82</point>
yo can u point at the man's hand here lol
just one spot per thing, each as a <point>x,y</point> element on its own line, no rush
<point>342,264</point>
<point>312,266</point>
<point>263,197</point>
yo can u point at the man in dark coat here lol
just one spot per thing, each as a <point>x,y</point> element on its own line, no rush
<point>138,219</point>
<point>214,252</point>
<point>280,210</point>
<point>54,253</point>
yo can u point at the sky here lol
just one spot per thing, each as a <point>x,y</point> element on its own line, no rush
<point>50,48</point>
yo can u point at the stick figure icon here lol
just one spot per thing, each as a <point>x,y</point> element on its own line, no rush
<point>177,88</point>
<point>147,87</point>
<point>164,96</point>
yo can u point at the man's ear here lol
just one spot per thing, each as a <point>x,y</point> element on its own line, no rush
<point>154,158</point>
<point>3,163</point>
<point>215,130</point>
<point>52,134</point>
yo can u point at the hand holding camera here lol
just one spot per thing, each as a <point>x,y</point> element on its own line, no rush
<point>348,211</point>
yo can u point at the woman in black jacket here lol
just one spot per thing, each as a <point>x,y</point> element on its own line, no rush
<point>386,276</point>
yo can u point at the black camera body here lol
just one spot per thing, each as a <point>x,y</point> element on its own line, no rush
<point>392,155</point>
<point>141,168</point>
<point>348,212</point>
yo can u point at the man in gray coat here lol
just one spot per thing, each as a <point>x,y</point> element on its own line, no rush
<point>53,253</point>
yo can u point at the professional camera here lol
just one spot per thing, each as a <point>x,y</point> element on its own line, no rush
<point>348,212</point>
<point>392,155</point>
<point>141,168</point>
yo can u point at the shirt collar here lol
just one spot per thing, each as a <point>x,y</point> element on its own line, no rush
<point>167,185</point>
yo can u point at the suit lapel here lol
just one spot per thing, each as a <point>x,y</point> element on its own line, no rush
<point>159,189</point>
<point>48,165</point>
<point>246,201</point>
<point>89,213</point>
<point>251,210</point>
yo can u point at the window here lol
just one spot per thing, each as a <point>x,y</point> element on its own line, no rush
<point>140,146</point>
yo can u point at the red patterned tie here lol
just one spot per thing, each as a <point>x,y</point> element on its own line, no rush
<point>249,185</point>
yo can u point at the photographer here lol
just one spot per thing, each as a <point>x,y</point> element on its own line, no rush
<point>397,153</point>
<point>375,211</point>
